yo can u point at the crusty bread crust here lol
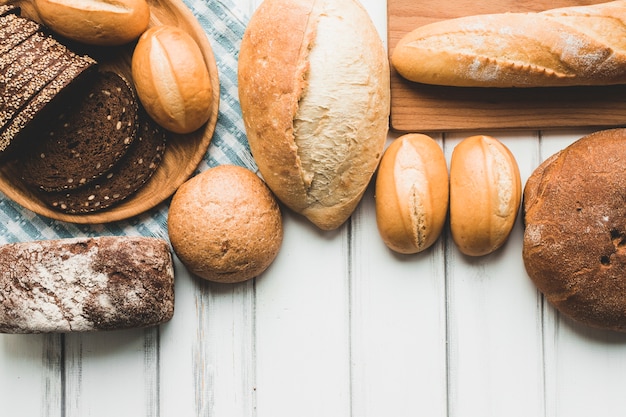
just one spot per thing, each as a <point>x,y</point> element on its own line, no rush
<point>317,156</point>
<point>575,229</point>
<point>582,45</point>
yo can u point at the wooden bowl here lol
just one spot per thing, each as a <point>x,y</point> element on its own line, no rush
<point>183,152</point>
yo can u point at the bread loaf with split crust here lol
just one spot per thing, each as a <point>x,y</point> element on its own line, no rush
<point>578,45</point>
<point>412,193</point>
<point>314,92</point>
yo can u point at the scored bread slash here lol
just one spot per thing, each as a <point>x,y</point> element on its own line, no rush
<point>85,284</point>
<point>85,138</point>
<point>124,179</point>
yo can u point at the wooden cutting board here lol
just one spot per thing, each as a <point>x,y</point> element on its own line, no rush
<point>422,108</point>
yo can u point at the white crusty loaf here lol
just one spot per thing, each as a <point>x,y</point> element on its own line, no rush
<point>314,92</point>
<point>85,284</point>
<point>584,45</point>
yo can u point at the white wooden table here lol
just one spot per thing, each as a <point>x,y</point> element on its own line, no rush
<point>339,326</point>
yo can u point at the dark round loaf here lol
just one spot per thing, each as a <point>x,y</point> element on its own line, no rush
<point>575,230</point>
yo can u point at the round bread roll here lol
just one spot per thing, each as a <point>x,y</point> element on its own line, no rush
<point>411,193</point>
<point>172,79</point>
<point>575,230</point>
<point>96,22</point>
<point>485,194</point>
<point>225,224</point>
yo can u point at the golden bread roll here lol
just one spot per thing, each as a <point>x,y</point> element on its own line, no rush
<point>314,92</point>
<point>225,225</point>
<point>485,194</point>
<point>411,193</point>
<point>96,22</point>
<point>577,45</point>
<point>172,79</point>
<point>575,230</point>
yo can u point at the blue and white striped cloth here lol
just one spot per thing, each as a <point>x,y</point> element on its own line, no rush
<point>224,25</point>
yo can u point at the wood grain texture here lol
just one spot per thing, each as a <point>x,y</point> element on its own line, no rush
<point>422,108</point>
<point>183,152</point>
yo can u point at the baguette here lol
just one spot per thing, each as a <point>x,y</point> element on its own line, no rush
<point>314,93</point>
<point>85,284</point>
<point>485,194</point>
<point>583,45</point>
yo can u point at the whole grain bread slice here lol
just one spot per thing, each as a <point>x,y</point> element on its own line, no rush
<point>123,180</point>
<point>86,138</point>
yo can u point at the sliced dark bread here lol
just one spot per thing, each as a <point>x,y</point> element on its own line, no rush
<point>86,138</point>
<point>20,123</point>
<point>29,74</point>
<point>124,179</point>
<point>34,69</point>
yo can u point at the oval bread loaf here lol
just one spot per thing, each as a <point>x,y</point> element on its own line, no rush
<point>411,193</point>
<point>172,79</point>
<point>485,194</point>
<point>576,45</point>
<point>96,22</point>
<point>225,224</point>
<point>314,92</point>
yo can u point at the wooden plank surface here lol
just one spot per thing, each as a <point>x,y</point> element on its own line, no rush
<point>422,108</point>
<point>340,326</point>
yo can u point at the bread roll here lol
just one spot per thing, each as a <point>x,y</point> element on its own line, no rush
<point>225,224</point>
<point>579,45</point>
<point>172,79</point>
<point>485,194</point>
<point>85,284</point>
<point>96,22</point>
<point>411,193</point>
<point>314,91</point>
<point>575,230</point>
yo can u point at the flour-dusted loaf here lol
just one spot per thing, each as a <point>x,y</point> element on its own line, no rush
<point>85,284</point>
<point>578,45</point>
<point>314,92</point>
<point>575,229</point>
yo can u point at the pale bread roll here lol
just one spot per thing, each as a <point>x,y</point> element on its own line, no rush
<point>172,79</point>
<point>485,194</point>
<point>225,225</point>
<point>412,193</point>
<point>578,45</point>
<point>314,91</point>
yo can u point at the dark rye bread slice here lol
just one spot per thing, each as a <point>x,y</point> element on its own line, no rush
<point>85,284</point>
<point>91,133</point>
<point>122,181</point>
